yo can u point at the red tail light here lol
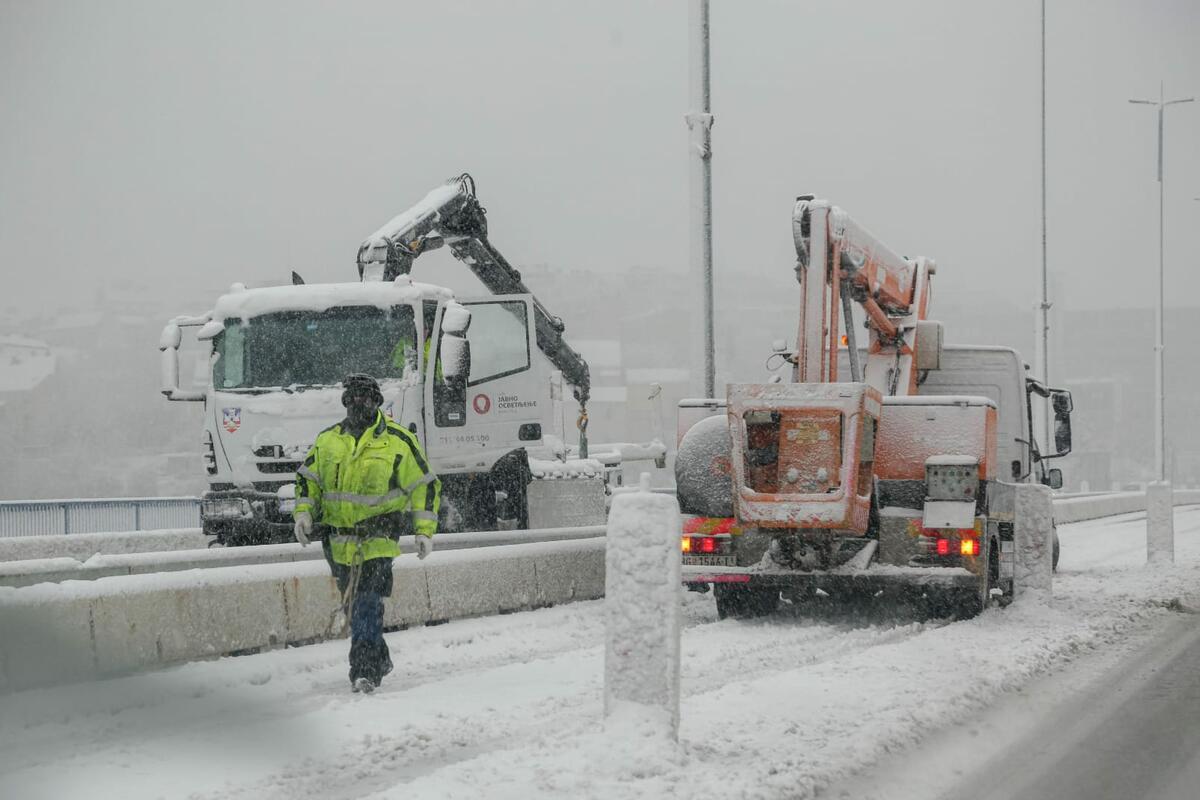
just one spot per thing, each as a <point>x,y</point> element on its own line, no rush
<point>709,545</point>
<point>943,547</point>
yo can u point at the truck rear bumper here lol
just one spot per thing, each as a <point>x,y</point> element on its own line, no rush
<point>874,579</point>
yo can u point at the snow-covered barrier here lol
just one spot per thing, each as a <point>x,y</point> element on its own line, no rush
<point>1079,509</point>
<point>1160,524</point>
<point>85,545</point>
<point>57,633</point>
<point>1034,535</point>
<point>96,565</point>
<point>642,613</point>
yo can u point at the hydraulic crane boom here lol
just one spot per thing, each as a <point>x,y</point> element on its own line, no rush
<point>839,261</point>
<point>451,215</point>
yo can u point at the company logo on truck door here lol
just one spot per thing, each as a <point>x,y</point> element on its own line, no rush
<point>231,419</point>
<point>512,402</point>
<point>482,404</point>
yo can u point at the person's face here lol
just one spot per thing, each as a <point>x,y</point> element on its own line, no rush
<point>360,406</point>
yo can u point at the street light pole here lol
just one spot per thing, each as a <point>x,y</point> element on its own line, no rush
<point>1044,308</point>
<point>699,122</point>
<point>1159,347</point>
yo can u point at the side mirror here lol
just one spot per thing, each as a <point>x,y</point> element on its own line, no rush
<point>171,338</point>
<point>456,319</point>
<point>1054,479</point>
<point>456,357</point>
<point>450,394</point>
<point>1062,403</point>
<point>1062,433</point>
<point>169,342</point>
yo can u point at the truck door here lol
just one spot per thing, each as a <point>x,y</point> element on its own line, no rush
<point>505,398</point>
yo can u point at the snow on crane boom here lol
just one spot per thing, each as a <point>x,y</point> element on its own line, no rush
<point>451,215</point>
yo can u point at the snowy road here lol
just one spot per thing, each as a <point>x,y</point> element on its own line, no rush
<point>511,706</point>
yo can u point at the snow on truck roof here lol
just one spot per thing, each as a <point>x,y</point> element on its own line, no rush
<point>321,296</point>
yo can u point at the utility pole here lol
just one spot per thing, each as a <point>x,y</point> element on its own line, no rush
<point>1044,307</point>
<point>1159,391</point>
<point>699,122</point>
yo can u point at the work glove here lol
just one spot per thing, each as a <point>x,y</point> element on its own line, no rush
<point>303,529</point>
<point>424,545</point>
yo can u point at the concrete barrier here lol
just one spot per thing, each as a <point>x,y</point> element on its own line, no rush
<point>82,546</point>
<point>54,570</point>
<point>1080,509</point>
<point>56,633</point>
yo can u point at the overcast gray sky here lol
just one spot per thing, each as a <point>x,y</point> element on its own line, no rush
<point>191,145</point>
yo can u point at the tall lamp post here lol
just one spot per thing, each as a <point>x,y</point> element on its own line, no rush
<point>1159,410</point>
<point>1044,306</point>
<point>699,122</point>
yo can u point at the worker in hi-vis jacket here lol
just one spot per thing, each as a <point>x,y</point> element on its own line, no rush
<point>366,479</point>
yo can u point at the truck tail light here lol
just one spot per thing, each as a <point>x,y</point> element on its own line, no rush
<point>707,545</point>
<point>943,547</point>
<point>968,547</point>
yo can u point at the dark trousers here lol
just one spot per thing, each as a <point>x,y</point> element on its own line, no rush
<point>369,656</point>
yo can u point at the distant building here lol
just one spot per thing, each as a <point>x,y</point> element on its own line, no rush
<point>24,363</point>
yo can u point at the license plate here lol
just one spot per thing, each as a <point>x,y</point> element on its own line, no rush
<point>710,561</point>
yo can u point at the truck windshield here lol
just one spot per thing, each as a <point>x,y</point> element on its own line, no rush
<point>314,348</point>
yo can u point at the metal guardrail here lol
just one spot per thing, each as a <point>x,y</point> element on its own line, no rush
<point>47,517</point>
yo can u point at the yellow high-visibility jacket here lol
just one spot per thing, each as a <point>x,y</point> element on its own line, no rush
<point>398,358</point>
<point>370,491</point>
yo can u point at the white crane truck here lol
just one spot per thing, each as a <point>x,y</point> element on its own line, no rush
<point>463,374</point>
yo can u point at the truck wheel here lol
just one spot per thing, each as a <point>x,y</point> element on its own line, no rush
<point>1054,556</point>
<point>743,602</point>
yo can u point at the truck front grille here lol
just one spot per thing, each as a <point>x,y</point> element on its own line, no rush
<point>278,467</point>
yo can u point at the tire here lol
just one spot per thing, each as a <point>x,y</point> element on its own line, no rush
<point>744,602</point>
<point>1054,557</point>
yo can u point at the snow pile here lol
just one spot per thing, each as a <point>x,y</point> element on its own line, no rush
<point>1033,572</point>
<point>571,468</point>
<point>641,611</point>
<point>1160,524</point>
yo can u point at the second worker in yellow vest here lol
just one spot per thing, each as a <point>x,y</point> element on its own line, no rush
<point>367,480</point>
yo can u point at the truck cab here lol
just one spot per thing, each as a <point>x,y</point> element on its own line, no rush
<point>460,375</point>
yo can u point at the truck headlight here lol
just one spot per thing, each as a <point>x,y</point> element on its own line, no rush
<point>223,508</point>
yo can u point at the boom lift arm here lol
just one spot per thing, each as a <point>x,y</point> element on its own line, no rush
<point>839,261</point>
<point>451,215</point>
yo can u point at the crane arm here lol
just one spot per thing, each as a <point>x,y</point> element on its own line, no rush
<point>451,215</point>
<point>837,261</point>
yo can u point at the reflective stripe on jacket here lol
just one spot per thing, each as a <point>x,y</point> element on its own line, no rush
<point>370,490</point>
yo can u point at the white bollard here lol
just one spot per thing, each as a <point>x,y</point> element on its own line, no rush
<point>1033,572</point>
<point>1160,523</point>
<point>641,614</point>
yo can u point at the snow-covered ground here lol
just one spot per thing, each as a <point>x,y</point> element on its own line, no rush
<point>511,706</point>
